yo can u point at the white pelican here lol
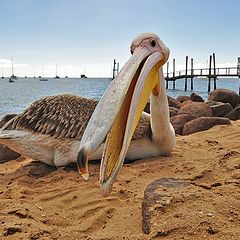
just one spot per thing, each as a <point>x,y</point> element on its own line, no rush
<point>63,129</point>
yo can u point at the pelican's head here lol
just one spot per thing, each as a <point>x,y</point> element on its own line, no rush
<point>118,111</point>
<point>151,42</point>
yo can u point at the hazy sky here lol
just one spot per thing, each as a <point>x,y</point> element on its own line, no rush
<point>85,36</point>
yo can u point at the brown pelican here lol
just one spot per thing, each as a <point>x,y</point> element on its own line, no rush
<point>62,129</point>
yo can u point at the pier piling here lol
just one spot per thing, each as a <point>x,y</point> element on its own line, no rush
<point>174,86</point>
<point>192,73</point>
<point>186,73</point>
<point>167,75</point>
<point>209,73</point>
<point>214,72</point>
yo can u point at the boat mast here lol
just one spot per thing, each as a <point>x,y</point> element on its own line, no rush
<point>42,71</point>
<point>12,66</point>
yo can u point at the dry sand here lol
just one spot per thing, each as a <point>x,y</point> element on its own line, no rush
<point>41,202</point>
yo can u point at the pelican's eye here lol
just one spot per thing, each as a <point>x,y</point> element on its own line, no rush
<point>131,51</point>
<point>153,43</point>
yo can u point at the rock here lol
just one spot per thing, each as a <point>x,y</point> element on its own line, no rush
<point>196,98</point>
<point>225,96</point>
<point>212,103</point>
<point>173,103</point>
<point>234,114</point>
<point>6,118</point>
<point>179,121</point>
<point>196,109</point>
<point>221,109</point>
<point>203,123</point>
<point>156,198</point>
<point>173,111</point>
<point>7,154</point>
<point>212,230</point>
<point>11,230</point>
<point>182,99</point>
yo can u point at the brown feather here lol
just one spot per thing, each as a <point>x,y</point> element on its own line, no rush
<point>64,116</point>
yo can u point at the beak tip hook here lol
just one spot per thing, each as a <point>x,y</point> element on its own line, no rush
<point>85,176</point>
<point>82,163</point>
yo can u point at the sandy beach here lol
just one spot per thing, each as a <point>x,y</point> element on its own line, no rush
<point>42,202</point>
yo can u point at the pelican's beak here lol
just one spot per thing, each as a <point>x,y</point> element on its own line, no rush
<point>117,114</point>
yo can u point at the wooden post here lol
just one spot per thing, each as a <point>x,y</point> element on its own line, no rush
<point>174,73</point>
<point>114,68</point>
<point>192,73</point>
<point>238,69</point>
<point>117,67</point>
<point>173,67</point>
<point>186,73</point>
<point>214,72</point>
<point>167,69</point>
<point>167,75</point>
<point>209,75</point>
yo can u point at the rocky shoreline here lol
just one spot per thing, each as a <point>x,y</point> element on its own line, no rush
<point>190,114</point>
<point>193,114</point>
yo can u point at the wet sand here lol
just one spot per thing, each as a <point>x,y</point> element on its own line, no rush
<point>41,202</point>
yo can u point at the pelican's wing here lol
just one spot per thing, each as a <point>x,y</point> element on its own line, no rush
<point>62,116</point>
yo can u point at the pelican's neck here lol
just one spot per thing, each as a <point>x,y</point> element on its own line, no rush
<point>162,130</point>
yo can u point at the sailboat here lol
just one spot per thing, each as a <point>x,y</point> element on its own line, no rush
<point>43,78</point>
<point>84,74</point>
<point>11,79</point>
<point>56,73</point>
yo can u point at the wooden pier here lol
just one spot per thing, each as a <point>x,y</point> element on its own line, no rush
<point>212,73</point>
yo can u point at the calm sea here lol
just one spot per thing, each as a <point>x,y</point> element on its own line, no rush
<point>15,97</point>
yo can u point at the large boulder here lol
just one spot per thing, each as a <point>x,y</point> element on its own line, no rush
<point>196,98</point>
<point>196,109</point>
<point>179,121</point>
<point>220,109</point>
<point>173,103</point>
<point>7,154</point>
<point>203,123</point>
<point>182,99</point>
<point>225,96</point>
<point>173,111</point>
<point>234,114</point>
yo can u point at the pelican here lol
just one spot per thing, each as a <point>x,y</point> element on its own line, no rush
<point>62,129</point>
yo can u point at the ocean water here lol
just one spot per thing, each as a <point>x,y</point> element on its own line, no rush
<point>15,97</point>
